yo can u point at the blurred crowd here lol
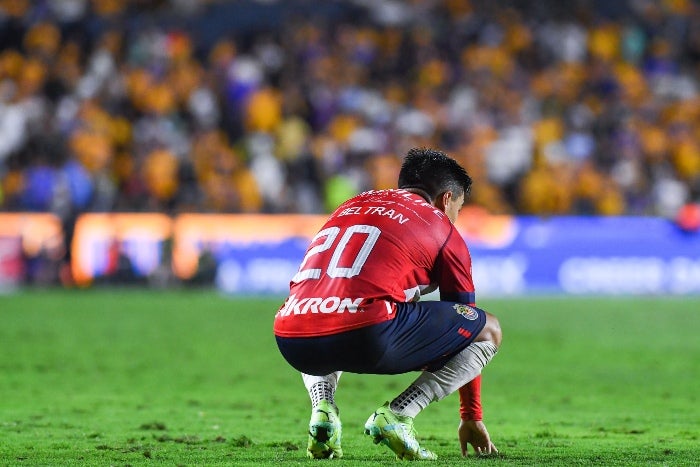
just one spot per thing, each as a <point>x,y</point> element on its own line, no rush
<point>556,108</point>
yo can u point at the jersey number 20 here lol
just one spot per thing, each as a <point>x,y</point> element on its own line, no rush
<point>333,269</point>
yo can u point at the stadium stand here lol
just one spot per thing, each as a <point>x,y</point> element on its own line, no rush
<point>287,107</point>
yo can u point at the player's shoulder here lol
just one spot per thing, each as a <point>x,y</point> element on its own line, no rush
<point>407,208</point>
<point>376,196</point>
<point>398,195</point>
<point>379,194</point>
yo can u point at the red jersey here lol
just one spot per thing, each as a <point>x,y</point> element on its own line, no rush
<point>377,248</point>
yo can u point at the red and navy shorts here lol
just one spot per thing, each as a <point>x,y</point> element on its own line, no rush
<point>422,336</point>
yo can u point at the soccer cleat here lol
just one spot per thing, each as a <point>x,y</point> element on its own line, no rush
<point>325,432</point>
<point>397,433</point>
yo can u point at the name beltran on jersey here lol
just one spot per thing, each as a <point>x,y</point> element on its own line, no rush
<point>377,210</point>
<point>301,306</point>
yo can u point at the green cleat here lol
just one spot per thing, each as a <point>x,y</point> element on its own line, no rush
<point>397,433</point>
<point>325,432</point>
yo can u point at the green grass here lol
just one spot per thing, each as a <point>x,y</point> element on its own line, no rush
<point>129,377</point>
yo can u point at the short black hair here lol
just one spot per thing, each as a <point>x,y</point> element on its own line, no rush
<point>434,172</point>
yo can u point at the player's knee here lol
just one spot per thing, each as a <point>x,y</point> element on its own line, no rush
<point>492,331</point>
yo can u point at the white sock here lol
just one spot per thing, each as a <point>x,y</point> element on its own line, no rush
<point>410,402</point>
<point>458,371</point>
<point>321,387</point>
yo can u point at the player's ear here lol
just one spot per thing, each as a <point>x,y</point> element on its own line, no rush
<point>442,200</point>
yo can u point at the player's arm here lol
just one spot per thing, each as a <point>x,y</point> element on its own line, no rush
<point>472,429</point>
<point>470,401</point>
<point>453,271</point>
<point>456,284</point>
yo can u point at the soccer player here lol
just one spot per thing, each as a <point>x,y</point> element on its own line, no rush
<point>354,306</point>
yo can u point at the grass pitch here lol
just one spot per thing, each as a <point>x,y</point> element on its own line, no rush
<point>129,377</point>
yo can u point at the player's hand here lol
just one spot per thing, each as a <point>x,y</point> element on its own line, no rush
<point>475,433</point>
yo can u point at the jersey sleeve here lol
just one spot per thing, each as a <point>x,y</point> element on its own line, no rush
<point>454,271</point>
<point>470,400</point>
<point>456,284</point>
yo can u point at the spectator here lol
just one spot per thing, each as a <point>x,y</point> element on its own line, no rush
<point>558,109</point>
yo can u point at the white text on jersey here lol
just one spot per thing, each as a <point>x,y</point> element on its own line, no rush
<point>376,210</point>
<point>319,305</point>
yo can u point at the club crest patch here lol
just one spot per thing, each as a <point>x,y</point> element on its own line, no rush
<point>466,311</point>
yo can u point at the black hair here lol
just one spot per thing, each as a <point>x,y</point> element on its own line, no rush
<point>433,172</point>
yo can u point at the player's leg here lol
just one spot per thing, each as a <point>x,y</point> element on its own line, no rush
<point>463,367</point>
<point>321,388</point>
<point>317,369</point>
<point>323,356</point>
<point>325,429</point>
<point>431,339</point>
